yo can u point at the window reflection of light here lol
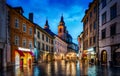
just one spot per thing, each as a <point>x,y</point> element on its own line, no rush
<point>63,64</point>
<point>68,68</point>
<point>56,67</point>
<point>17,70</point>
<point>36,71</point>
<point>49,69</point>
<point>73,67</point>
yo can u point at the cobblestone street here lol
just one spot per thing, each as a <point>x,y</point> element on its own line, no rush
<point>62,68</point>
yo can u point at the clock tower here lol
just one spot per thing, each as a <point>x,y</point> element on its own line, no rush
<point>62,29</point>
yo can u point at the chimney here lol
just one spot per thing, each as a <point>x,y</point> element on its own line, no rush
<point>31,17</point>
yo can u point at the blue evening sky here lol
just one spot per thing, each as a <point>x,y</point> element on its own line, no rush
<point>72,10</point>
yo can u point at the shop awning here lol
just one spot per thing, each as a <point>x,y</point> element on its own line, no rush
<point>20,52</point>
<point>31,53</point>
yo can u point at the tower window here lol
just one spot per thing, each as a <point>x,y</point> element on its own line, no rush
<point>60,30</point>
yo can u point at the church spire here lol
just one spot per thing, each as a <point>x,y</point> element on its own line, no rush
<point>62,21</point>
<point>46,25</point>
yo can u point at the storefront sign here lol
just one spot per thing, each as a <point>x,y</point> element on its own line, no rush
<point>91,49</point>
<point>23,49</point>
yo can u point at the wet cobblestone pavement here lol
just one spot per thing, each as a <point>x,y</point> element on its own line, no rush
<point>62,68</point>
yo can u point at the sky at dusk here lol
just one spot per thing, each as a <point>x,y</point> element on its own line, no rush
<point>72,10</point>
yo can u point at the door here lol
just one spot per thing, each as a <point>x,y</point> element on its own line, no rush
<point>104,57</point>
<point>21,62</point>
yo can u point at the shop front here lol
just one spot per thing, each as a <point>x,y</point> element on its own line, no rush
<point>117,58</point>
<point>23,56</point>
<point>91,55</point>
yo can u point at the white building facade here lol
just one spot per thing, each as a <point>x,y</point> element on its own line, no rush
<point>43,44</point>
<point>109,32</point>
<point>60,48</point>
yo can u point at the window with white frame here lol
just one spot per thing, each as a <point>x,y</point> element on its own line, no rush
<point>16,23</point>
<point>17,40</point>
<point>30,44</point>
<point>24,27</point>
<point>30,31</point>
<point>24,42</point>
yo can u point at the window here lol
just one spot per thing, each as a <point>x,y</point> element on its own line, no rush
<point>95,9</point>
<point>46,39</point>
<point>24,27</point>
<point>94,25</point>
<point>16,23</point>
<point>113,11</point>
<point>104,18</point>
<point>43,46</point>
<point>42,36</point>
<point>60,30</point>
<point>38,45</point>
<point>46,47</point>
<point>103,33</point>
<point>24,43</point>
<point>30,44</point>
<point>90,27</point>
<point>49,40</point>
<point>38,34</point>
<point>30,31</point>
<point>103,3</point>
<point>90,14</point>
<point>90,40</point>
<point>17,40</point>
<point>113,29</point>
<point>94,39</point>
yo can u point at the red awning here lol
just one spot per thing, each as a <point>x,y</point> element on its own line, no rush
<point>31,53</point>
<point>20,52</point>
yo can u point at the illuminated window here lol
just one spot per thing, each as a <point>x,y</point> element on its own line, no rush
<point>60,30</point>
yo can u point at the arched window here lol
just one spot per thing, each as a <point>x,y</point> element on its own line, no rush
<point>60,30</point>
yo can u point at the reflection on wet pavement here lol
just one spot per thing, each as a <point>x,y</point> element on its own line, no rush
<point>62,68</point>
